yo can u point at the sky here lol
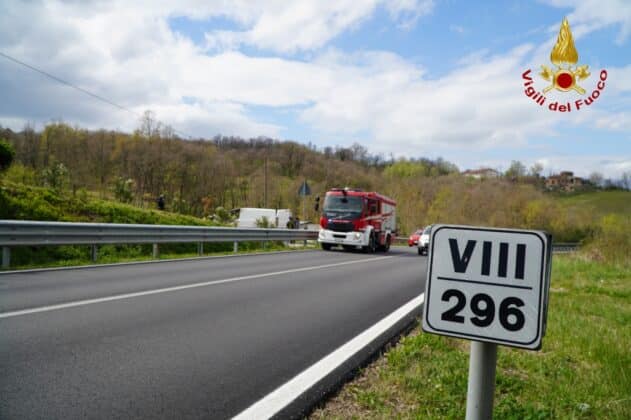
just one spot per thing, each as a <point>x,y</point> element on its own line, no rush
<point>404,78</point>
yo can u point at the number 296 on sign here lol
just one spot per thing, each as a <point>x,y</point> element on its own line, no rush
<point>488,284</point>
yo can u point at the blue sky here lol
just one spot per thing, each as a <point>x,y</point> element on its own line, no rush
<point>404,77</point>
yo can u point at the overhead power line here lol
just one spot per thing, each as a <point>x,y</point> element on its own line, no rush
<point>82,90</point>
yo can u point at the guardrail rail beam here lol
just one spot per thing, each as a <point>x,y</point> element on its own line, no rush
<point>22,232</point>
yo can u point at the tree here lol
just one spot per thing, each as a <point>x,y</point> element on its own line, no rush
<point>625,180</point>
<point>536,169</point>
<point>516,170</point>
<point>596,178</point>
<point>149,126</point>
<point>360,153</point>
<point>123,190</point>
<point>56,176</point>
<point>7,153</point>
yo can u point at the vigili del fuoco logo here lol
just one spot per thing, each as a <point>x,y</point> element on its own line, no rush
<point>566,76</point>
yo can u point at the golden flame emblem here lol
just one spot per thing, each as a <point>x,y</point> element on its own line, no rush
<point>563,56</point>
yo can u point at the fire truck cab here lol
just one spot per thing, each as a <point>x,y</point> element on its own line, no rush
<point>355,219</point>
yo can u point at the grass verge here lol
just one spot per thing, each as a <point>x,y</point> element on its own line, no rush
<point>583,370</point>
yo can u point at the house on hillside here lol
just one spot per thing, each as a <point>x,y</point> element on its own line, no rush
<point>565,181</point>
<point>481,173</point>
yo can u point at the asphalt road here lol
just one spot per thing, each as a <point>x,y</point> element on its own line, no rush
<point>158,350</point>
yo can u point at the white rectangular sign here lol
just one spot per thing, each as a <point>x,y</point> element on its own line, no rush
<point>488,284</point>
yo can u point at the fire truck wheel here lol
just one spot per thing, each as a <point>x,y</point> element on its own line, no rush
<point>386,246</point>
<point>326,247</point>
<point>372,245</point>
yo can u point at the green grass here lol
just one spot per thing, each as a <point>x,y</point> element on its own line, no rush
<point>599,203</point>
<point>582,371</point>
<point>25,202</point>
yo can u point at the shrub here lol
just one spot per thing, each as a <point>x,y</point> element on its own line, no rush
<point>20,173</point>
<point>222,215</point>
<point>611,240</point>
<point>7,153</point>
<point>263,222</point>
<point>56,176</point>
<point>123,190</point>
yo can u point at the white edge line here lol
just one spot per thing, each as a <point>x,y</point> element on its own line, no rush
<point>204,257</point>
<point>176,288</point>
<point>284,395</point>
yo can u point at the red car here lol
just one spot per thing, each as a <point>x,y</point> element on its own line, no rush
<point>413,239</point>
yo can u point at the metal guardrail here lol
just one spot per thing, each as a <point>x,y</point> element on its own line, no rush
<point>19,232</point>
<point>562,248</point>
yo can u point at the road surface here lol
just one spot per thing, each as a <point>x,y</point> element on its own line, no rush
<point>201,338</point>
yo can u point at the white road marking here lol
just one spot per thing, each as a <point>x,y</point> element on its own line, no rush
<point>282,396</point>
<point>176,288</point>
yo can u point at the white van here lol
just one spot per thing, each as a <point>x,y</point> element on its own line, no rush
<point>248,217</point>
<point>282,217</point>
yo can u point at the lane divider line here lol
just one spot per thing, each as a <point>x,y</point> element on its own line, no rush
<point>284,395</point>
<point>177,288</point>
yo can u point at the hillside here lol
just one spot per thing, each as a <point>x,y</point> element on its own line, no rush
<point>19,201</point>
<point>25,202</point>
<point>68,173</point>
<point>599,203</point>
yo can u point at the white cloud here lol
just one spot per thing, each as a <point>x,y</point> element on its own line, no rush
<point>589,15</point>
<point>407,12</point>
<point>128,53</point>
<point>289,26</point>
<point>608,165</point>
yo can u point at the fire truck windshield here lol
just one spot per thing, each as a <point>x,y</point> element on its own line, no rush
<point>342,206</point>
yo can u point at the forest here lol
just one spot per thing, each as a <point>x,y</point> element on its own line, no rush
<point>202,177</point>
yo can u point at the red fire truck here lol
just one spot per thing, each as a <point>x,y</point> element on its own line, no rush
<point>356,219</point>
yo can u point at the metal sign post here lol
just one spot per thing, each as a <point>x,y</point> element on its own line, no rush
<point>481,388</point>
<point>488,285</point>
<point>304,191</point>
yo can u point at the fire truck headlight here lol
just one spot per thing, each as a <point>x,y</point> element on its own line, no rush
<point>358,235</point>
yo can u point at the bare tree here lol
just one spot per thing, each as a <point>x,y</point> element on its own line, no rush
<point>596,178</point>
<point>516,170</point>
<point>536,169</point>
<point>625,180</point>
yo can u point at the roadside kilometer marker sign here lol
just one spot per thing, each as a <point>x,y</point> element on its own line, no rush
<point>488,284</point>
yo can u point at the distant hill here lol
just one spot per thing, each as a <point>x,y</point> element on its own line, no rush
<point>68,173</point>
<point>599,203</point>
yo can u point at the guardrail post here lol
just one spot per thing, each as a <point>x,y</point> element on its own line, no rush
<point>156,251</point>
<point>200,248</point>
<point>6,257</point>
<point>94,252</point>
<point>235,247</point>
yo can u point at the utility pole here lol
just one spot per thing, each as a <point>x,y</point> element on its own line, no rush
<point>265,188</point>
